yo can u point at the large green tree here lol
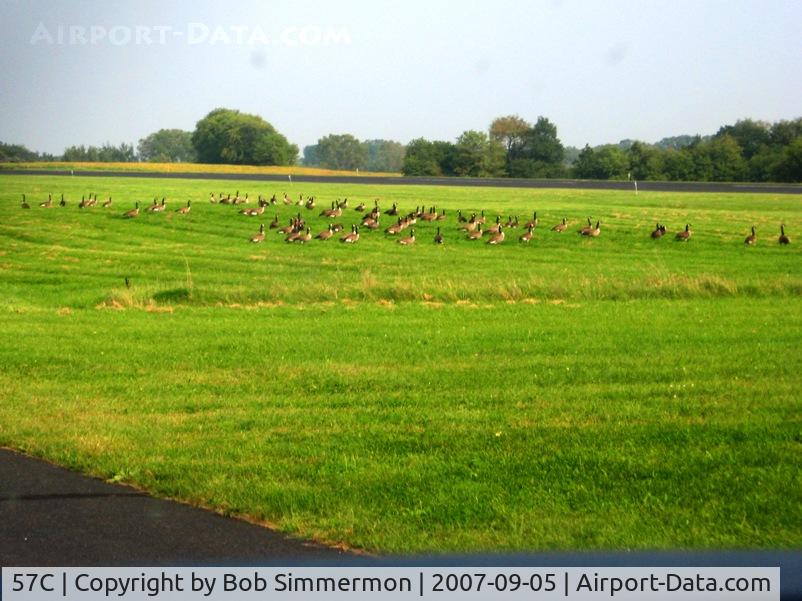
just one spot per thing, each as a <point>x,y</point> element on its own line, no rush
<point>167,146</point>
<point>385,155</point>
<point>229,136</point>
<point>341,151</point>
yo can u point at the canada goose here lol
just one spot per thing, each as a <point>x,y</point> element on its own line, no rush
<point>259,237</point>
<point>274,223</point>
<point>273,200</point>
<point>292,236</point>
<point>212,199</point>
<point>343,204</point>
<point>92,200</point>
<point>155,207</point>
<point>533,221</point>
<point>360,208</point>
<point>594,232</point>
<point>560,227</point>
<point>430,216</point>
<point>395,228</point>
<point>107,203</point>
<point>441,216</point>
<point>287,229</point>
<point>186,209</point>
<point>498,237</point>
<point>511,223</point>
<point>48,203</point>
<point>585,230</point>
<point>310,203</point>
<point>63,203</point>
<point>438,238</point>
<point>783,239</point>
<point>325,234</point>
<point>25,204</point>
<point>528,235</point>
<point>659,231</point>
<point>351,238</point>
<point>470,225</point>
<point>304,238</point>
<point>82,204</point>
<point>371,223</point>
<point>133,212</point>
<point>494,229</point>
<point>482,218</point>
<point>751,239</point>
<point>409,239</point>
<point>477,233</point>
<point>684,235</point>
<point>392,211</point>
<point>460,218</point>
<point>226,200</point>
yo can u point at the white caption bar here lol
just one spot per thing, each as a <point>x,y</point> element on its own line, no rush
<point>391,583</point>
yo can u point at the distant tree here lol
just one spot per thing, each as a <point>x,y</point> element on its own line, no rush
<point>311,156</point>
<point>228,136</point>
<point>789,166</point>
<point>784,132</point>
<point>167,146</point>
<point>421,158</point>
<point>384,155</point>
<point>570,155</point>
<point>750,135</point>
<point>603,162</point>
<point>645,162</point>
<point>124,153</point>
<point>341,151</point>
<point>678,164</point>
<point>17,153</point>
<point>509,131</point>
<point>726,158</point>
<point>675,142</point>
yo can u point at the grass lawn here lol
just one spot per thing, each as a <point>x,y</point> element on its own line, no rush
<point>610,393</point>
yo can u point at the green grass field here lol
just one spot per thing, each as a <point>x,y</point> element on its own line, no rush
<point>610,393</point>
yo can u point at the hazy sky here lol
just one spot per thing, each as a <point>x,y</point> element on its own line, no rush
<point>600,70</point>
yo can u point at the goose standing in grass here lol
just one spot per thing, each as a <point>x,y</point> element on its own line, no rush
<point>274,223</point>
<point>659,231</point>
<point>260,236</point>
<point>396,228</point>
<point>441,216</point>
<point>409,239</point>
<point>560,227</point>
<point>133,212</point>
<point>25,204</point>
<point>186,209</point>
<point>498,237</point>
<point>476,233</point>
<point>360,208</point>
<point>48,203</point>
<point>460,217</point>
<point>594,232</point>
<point>392,211</point>
<point>62,202</point>
<point>304,237</point>
<point>527,237</point>
<point>494,229</point>
<point>92,200</point>
<point>325,234</point>
<point>107,203</point>
<point>337,227</point>
<point>684,235</point>
<point>532,222</point>
<point>584,231</point>
<point>212,199</point>
<point>783,239</point>
<point>751,239</point>
<point>351,238</point>
<point>438,238</point>
<point>481,219</point>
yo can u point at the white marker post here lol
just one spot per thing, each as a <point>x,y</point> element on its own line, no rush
<point>636,186</point>
<point>289,175</point>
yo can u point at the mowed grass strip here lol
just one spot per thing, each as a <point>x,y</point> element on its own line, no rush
<point>656,424</point>
<point>570,394</point>
<point>79,258</point>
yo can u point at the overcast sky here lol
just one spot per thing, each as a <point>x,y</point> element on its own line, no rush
<point>600,70</point>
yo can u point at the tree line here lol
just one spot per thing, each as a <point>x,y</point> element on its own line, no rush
<point>748,150</point>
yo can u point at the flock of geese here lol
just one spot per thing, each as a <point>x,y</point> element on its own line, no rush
<point>473,227</point>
